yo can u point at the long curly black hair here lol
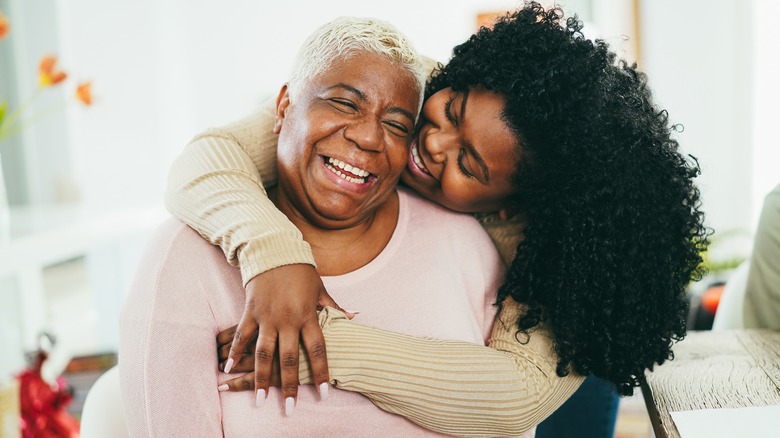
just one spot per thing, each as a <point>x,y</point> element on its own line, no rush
<point>614,227</point>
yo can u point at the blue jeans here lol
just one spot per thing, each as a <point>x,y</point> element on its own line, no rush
<point>591,412</point>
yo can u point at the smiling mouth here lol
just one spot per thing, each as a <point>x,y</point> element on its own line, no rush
<point>417,160</point>
<point>347,171</point>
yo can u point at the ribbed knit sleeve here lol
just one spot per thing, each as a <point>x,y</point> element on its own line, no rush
<point>450,387</point>
<point>216,186</point>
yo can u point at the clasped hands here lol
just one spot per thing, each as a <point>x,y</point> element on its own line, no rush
<point>280,314</point>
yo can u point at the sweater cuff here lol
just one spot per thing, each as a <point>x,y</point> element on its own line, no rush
<point>254,261</point>
<point>326,317</point>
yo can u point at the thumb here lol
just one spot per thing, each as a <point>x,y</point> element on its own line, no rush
<point>326,300</point>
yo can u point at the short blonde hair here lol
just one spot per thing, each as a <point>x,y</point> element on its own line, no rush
<point>347,36</point>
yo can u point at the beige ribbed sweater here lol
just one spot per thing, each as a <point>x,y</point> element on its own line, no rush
<point>217,187</point>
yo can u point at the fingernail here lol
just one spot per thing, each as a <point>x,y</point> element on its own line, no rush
<point>324,387</point>
<point>228,365</point>
<point>223,387</point>
<point>289,406</point>
<point>260,398</point>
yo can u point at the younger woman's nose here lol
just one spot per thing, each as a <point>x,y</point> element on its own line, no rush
<point>437,144</point>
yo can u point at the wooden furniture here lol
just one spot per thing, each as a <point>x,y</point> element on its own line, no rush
<point>714,369</point>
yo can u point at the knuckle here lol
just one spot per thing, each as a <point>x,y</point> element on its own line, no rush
<point>288,361</point>
<point>263,356</point>
<point>290,389</point>
<point>246,384</point>
<point>317,350</point>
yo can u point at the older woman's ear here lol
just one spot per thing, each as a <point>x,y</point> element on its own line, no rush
<point>282,102</point>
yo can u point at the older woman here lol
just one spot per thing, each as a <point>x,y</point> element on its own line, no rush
<point>528,120</point>
<point>376,247</point>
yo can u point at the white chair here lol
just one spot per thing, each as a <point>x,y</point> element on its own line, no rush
<point>103,415</point>
<point>732,302</point>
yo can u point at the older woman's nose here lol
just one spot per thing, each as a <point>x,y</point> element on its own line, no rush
<point>366,134</point>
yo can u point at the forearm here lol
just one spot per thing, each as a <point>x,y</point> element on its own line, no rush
<point>216,186</point>
<point>449,386</point>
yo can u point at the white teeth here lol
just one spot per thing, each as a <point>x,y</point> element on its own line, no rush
<point>418,160</point>
<point>335,165</point>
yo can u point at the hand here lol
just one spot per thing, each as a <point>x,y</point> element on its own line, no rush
<point>247,361</point>
<point>246,382</point>
<point>280,305</point>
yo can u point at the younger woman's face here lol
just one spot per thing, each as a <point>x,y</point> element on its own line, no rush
<point>463,154</point>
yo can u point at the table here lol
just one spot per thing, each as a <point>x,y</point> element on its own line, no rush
<point>714,369</point>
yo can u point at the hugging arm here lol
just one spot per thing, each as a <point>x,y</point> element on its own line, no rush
<point>216,186</point>
<point>451,387</point>
<point>448,386</point>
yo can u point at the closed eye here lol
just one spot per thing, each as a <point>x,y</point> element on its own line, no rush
<point>343,104</point>
<point>462,168</point>
<point>398,128</point>
<point>448,111</point>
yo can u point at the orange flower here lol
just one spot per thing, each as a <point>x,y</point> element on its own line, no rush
<point>5,27</point>
<point>84,93</point>
<point>46,74</point>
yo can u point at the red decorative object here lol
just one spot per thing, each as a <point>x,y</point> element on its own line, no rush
<point>711,298</point>
<point>43,405</point>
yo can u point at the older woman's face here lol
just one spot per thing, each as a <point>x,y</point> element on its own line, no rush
<point>463,154</point>
<point>344,138</point>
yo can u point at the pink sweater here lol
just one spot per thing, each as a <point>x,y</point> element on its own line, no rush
<point>436,278</point>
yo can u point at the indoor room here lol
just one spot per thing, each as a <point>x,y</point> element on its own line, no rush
<point>98,100</point>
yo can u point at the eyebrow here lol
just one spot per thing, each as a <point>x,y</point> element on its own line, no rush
<point>361,96</point>
<point>477,157</point>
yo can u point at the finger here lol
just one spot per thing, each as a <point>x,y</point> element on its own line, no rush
<point>288,367</point>
<point>264,358</point>
<point>223,350</point>
<point>245,365</point>
<point>325,300</point>
<point>225,337</point>
<point>314,344</point>
<point>241,338</point>
<point>243,383</point>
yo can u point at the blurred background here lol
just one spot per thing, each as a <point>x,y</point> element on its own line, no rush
<point>84,183</point>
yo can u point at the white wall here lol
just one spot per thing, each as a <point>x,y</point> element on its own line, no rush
<point>701,58</point>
